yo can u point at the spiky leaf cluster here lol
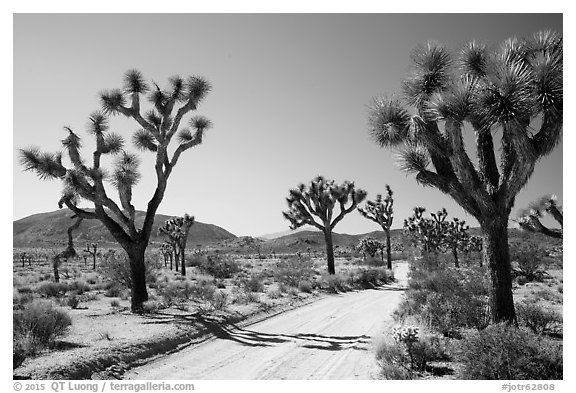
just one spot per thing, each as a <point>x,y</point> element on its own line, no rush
<point>530,219</point>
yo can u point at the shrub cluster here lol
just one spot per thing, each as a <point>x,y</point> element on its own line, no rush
<point>408,355</point>
<point>446,299</point>
<point>36,327</point>
<point>538,319</point>
<point>217,265</point>
<point>507,352</point>
<point>116,268</point>
<point>52,289</point>
<point>293,271</point>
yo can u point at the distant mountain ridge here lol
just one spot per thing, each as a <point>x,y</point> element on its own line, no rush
<point>49,230</point>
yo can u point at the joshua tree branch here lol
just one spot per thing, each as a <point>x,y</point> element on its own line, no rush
<point>487,159</point>
<point>76,210</point>
<point>451,187</point>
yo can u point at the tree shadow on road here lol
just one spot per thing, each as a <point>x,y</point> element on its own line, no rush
<point>260,339</point>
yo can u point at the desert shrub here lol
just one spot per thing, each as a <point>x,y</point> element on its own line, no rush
<point>151,306</point>
<point>528,257</point>
<point>116,268</point>
<point>506,352</point>
<point>91,278</point>
<point>218,266</point>
<point>537,318</point>
<point>292,271</point>
<point>409,354</point>
<point>114,290</point>
<point>89,296</point>
<point>274,293</point>
<point>73,301</point>
<point>205,292</point>
<point>244,296</point>
<point>24,289</point>
<point>19,300</point>
<point>548,295</point>
<point>393,360</point>
<point>368,278</point>
<point>446,299</point>
<point>219,301</point>
<point>333,283</point>
<point>38,325</point>
<point>171,292</point>
<point>252,284</point>
<point>114,303</point>
<point>79,286</point>
<point>52,289</point>
<point>305,286</point>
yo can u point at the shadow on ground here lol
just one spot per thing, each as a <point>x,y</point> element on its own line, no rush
<point>232,332</point>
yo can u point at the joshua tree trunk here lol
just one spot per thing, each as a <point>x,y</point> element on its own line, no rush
<point>388,251</point>
<point>455,253</point>
<point>183,259</point>
<point>138,274</point>
<point>329,251</point>
<point>56,273</point>
<point>495,254</point>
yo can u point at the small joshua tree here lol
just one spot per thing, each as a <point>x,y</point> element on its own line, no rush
<point>381,212</point>
<point>369,246</point>
<point>513,92</point>
<point>92,249</point>
<point>427,231</point>
<point>177,230</point>
<point>69,252</point>
<point>167,251</point>
<point>157,127</point>
<point>530,219</point>
<point>455,237</point>
<point>318,199</point>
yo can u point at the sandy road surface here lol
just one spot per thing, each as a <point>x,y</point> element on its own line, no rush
<point>328,339</point>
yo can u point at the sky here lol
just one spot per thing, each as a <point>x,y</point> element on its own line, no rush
<point>289,102</point>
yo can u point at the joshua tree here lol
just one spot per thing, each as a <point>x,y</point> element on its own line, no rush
<point>69,252</point>
<point>369,246</point>
<point>427,231</point>
<point>177,230</point>
<point>319,199</point>
<point>83,180</point>
<point>455,237</point>
<point>529,219</point>
<point>167,252</point>
<point>380,211</point>
<point>515,93</point>
<point>92,249</point>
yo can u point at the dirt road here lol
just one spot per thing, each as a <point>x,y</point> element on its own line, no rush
<point>328,339</point>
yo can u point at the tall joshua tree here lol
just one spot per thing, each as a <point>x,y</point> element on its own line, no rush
<point>158,127</point>
<point>513,93</point>
<point>319,198</point>
<point>177,230</point>
<point>381,212</point>
<point>530,219</point>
